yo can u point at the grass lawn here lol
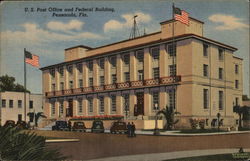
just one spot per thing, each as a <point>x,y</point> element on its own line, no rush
<point>219,157</point>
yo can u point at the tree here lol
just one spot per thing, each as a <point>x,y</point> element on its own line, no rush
<point>169,115</point>
<point>36,116</point>
<point>240,111</point>
<point>19,145</point>
<point>7,83</point>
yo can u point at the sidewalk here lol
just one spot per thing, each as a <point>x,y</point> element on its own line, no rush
<point>170,155</point>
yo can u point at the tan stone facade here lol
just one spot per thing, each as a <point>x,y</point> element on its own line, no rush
<point>202,78</point>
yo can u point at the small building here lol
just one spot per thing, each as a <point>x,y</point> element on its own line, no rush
<point>187,71</point>
<point>12,106</point>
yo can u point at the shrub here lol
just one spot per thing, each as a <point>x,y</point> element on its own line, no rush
<point>193,123</point>
<point>202,124</point>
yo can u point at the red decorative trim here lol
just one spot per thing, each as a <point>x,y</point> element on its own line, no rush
<point>136,83</point>
<point>87,89</point>
<point>68,91</point>
<point>78,90</point>
<point>110,86</point>
<point>123,85</point>
<point>151,82</point>
<point>98,88</point>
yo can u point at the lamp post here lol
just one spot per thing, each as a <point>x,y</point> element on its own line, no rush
<point>156,130</point>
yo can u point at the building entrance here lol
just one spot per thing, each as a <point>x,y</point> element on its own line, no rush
<point>69,110</point>
<point>139,108</point>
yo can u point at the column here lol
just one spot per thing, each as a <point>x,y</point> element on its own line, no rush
<point>107,71</point>
<point>85,106</point>
<point>147,64</point>
<point>85,75</point>
<point>56,109</point>
<point>95,105</point>
<point>75,77</point>
<point>95,73</point>
<point>107,104</point>
<point>75,107</point>
<point>132,102</point>
<point>119,104</point>
<point>119,71</point>
<point>57,80</point>
<point>163,61</point>
<point>66,78</point>
<point>132,66</point>
<point>65,106</point>
<point>147,102</point>
<point>163,98</point>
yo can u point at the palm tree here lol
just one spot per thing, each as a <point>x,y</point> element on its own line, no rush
<point>19,145</point>
<point>169,115</point>
<point>36,116</point>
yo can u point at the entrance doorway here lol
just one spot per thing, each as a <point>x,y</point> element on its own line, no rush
<point>69,111</point>
<point>139,108</point>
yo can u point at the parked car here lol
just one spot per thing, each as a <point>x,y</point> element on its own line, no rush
<point>9,123</point>
<point>118,127</point>
<point>22,125</point>
<point>97,126</point>
<point>60,125</point>
<point>79,126</point>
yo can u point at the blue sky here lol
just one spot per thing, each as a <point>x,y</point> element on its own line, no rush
<point>226,21</point>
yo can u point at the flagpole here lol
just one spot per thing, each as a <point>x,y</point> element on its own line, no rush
<point>174,55</point>
<point>24,85</point>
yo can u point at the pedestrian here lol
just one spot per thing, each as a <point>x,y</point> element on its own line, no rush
<point>129,129</point>
<point>133,129</point>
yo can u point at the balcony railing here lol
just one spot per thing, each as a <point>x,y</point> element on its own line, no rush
<point>124,85</point>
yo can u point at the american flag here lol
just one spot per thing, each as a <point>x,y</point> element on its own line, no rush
<point>32,59</point>
<point>181,16</point>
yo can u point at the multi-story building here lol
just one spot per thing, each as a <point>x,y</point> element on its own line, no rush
<point>197,76</point>
<point>12,106</point>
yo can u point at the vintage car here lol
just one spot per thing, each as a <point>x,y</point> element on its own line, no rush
<point>97,126</point>
<point>9,123</point>
<point>61,125</point>
<point>79,126</point>
<point>22,125</point>
<point>118,127</point>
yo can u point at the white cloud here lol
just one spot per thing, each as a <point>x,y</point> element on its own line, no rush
<point>115,25</point>
<point>227,22</point>
<point>60,26</point>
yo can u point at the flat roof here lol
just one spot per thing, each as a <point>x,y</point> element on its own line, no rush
<point>180,37</point>
<point>171,20</point>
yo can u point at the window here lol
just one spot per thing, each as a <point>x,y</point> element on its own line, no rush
<point>11,103</point>
<point>101,63</point>
<point>155,53</point>
<point>140,55</point>
<point>79,106</point>
<point>236,84</point>
<point>205,50</point>
<point>205,70</point>
<point>71,84</point>
<point>90,104</point>
<point>220,100</point>
<point>3,103</point>
<point>172,70</point>
<point>90,82</point>
<point>60,108</point>
<point>80,83</point>
<point>101,104</point>
<point>53,109</point>
<point>126,77</point>
<point>205,98</point>
<point>126,59</point>
<point>52,73</point>
<point>61,85</point>
<point>113,103</point>
<point>140,75</point>
<point>221,56</point>
<point>79,67</point>
<point>220,73</point>
<point>61,71</point>
<point>113,78</point>
<point>156,73</point>
<point>171,99</point>
<point>171,48</point>
<point>90,66</point>
<point>53,86</point>
<point>19,103</point>
<point>70,69</point>
<point>125,102</point>
<point>31,104</point>
<point>236,69</point>
<point>113,61</point>
<point>101,80</point>
<point>155,100</point>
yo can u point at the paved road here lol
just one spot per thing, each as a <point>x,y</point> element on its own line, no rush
<point>93,146</point>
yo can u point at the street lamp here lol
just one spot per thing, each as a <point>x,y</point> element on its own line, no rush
<point>156,130</point>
